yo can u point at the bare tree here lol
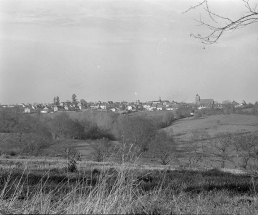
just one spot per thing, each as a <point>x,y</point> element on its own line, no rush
<point>238,140</point>
<point>197,153</point>
<point>64,148</point>
<point>221,149</point>
<point>102,149</point>
<point>246,148</point>
<point>127,152</point>
<point>219,24</point>
<point>163,149</point>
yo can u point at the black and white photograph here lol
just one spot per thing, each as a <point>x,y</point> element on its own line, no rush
<point>128,106</point>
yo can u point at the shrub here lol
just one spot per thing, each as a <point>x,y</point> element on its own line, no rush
<point>72,166</point>
<point>12,153</point>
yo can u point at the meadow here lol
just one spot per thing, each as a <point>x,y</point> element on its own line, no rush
<point>46,187</point>
<point>204,135</point>
<point>45,184</point>
<point>214,124</point>
<point>183,131</point>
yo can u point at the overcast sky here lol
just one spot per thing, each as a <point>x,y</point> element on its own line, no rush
<point>117,50</point>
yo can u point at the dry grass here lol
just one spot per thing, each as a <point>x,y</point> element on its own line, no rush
<point>48,164</point>
<point>123,197</point>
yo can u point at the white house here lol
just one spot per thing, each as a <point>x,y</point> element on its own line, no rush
<point>27,110</point>
<point>169,108</point>
<point>113,109</point>
<point>129,107</point>
<point>94,106</point>
<point>153,107</point>
<point>161,107</point>
<point>103,106</point>
<point>45,110</point>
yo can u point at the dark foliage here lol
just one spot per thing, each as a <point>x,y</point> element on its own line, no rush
<point>183,111</point>
<point>23,133</point>
<point>72,166</point>
<point>137,130</point>
<point>9,118</point>
<point>191,182</point>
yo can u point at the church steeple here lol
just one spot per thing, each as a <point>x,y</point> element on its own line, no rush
<point>197,98</point>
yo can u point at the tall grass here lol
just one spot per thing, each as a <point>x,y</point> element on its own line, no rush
<point>121,191</point>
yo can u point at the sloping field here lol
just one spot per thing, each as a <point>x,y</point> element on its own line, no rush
<point>184,132</point>
<point>182,129</point>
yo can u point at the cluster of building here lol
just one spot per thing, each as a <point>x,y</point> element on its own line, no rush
<point>210,103</point>
<point>120,107</point>
<point>44,108</point>
<point>101,106</point>
<point>136,106</point>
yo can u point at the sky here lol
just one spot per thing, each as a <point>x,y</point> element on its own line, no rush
<point>122,50</point>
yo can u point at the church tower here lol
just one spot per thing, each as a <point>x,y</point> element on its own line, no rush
<point>197,99</point>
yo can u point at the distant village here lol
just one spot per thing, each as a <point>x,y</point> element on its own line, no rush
<point>119,107</point>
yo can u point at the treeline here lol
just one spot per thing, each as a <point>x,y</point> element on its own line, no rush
<point>31,133</point>
<point>22,133</point>
<point>229,108</point>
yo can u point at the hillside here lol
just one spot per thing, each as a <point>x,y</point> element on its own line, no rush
<point>183,130</point>
<point>215,124</point>
<point>196,136</point>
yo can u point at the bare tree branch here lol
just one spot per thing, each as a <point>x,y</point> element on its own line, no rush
<point>193,7</point>
<point>250,17</point>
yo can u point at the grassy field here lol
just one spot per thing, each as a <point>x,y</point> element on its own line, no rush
<point>122,190</point>
<point>215,124</point>
<point>45,186</point>
<point>183,131</point>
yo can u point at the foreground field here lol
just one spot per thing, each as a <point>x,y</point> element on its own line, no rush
<point>123,190</point>
<point>140,186</point>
